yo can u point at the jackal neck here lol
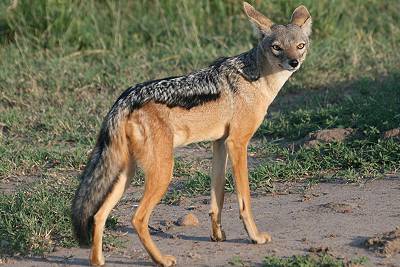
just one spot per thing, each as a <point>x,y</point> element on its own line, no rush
<point>271,78</point>
<point>247,65</point>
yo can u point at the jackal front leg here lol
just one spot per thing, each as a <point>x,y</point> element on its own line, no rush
<point>237,150</point>
<point>217,189</point>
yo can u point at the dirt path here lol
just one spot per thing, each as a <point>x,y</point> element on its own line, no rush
<point>335,217</point>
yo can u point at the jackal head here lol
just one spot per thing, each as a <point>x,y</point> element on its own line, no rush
<point>284,46</point>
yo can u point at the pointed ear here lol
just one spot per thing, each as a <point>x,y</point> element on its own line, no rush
<point>301,17</point>
<point>261,22</point>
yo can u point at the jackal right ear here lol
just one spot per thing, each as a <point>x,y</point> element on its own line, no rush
<point>260,22</point>
<point>301,17</point>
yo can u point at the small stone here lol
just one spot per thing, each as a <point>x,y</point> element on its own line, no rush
<point>331,236</point>
<point>4,129</point>
<point>183,201</point>
<point>206,201</point>
<point>320,249</point>
<point>194,255</point>
<point>338,207</point>
<point>188,220</point>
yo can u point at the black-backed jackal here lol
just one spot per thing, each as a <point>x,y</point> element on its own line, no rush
<point>224,103</point>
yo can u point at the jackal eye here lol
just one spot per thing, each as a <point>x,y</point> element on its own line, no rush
<point>301,46</point>
<point>276,47</point>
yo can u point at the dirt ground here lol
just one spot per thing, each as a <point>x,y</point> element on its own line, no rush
<point>336,218</point>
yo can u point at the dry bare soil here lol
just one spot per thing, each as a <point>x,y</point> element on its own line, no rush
<point>334,218</point>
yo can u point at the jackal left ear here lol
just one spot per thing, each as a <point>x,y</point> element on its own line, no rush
<point>260,22</point>
<point>301,17</point>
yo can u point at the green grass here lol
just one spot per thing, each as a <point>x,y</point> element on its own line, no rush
<point>63,63</point>
<point>311,261</point>
<point>37,218</point>
<point>372,106</point>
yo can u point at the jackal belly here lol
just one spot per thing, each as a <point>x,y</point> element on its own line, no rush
<point>202,123</point>
<point>197,131</point>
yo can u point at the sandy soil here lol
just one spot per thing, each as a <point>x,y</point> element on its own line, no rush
<point>334,217</point>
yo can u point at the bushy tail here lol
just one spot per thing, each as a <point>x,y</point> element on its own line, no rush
<point>98,178</point>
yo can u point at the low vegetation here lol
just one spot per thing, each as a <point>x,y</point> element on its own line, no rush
<point>323,260</point>
<point>310,260</point>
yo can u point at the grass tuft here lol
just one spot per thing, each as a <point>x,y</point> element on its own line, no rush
<point>323,260</point>
<point>37,218</point>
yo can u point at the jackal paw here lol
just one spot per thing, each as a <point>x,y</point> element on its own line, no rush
<point>167,260</point>
<point>219,236</point>
<point>262,238</point>
<point>97,261</point>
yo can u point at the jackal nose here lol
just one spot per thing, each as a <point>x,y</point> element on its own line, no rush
<point>294,63</point>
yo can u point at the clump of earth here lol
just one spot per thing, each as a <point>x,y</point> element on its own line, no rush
<point>393,133</point>
<point>188,220</point>
<point>387,243</point>
<point>328,136</point>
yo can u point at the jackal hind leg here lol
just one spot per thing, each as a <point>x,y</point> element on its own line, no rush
<point>158,172</point>
<point>217,189</point>
<point>96,257</point>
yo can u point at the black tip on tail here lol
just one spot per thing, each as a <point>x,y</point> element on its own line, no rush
<point>81,227</point>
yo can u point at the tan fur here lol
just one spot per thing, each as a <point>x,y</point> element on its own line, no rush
<point>220,157</point>
<point>152,132</point>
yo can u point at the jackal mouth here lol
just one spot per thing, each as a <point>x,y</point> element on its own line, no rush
<point>288,68</point>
